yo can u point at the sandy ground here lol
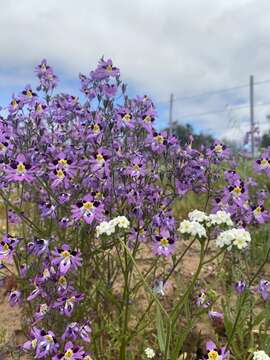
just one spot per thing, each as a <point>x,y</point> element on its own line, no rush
<point>11,335</point>
<point>10,317</point>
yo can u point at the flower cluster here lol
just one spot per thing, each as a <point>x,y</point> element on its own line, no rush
<point>192,228</point>
<point>242,199</point>
<point>109,227</point>
<point>237,237</point>
<point>260,355</point>
<point>199,222</point>
<point>150,354</point>
<point>68,165</point>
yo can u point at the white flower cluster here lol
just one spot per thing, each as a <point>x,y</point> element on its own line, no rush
<point>193,228</point>
<point>260,355</point>
<point>197,215</point>
<point>108,227</point>
<point>219,218</point>
<point>199,221</point>
<point>150,354</point>
<point>238,237</point>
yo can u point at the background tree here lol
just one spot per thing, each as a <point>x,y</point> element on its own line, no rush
<point>184,133</point>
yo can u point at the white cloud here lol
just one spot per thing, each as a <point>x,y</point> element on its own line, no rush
<point>187,46</point>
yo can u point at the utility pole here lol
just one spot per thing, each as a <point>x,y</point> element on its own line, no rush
<point>252,127</point>
<point>171,115</point>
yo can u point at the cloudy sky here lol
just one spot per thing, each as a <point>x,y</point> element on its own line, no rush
<point>188,47</point>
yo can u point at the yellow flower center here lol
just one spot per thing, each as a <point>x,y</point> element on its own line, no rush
<point>2,146</point>
<point>34,343</point>
<point>39,108</point>
<point>237,190</point>
<point>100,158</point>
<point>264,162</point>
<point>71,299</point>
<point>147,119</point>
<point>258,210</point>
<point>49,338</point>
<point>87,357</point>
<point>29,93</point>
<point>88,205</point>
<point>68,354</point>
<point>127,117</point>
<point>46,273</point>
<point>14,103</point>
<point>43,67</point>
<point>65,253</point>
<point>62,280</point>
<point>62,162</point>
<point>98,195</point>
<point>213,355</point>
<point>96,129</point>
<point>109,68</point>
<point>60,174</point>
<point>21,168</point>
<point>136,167</point>
<point>218,148</point>
<point>159,139</point>
<point>6,247</point>
<point>164,241</point>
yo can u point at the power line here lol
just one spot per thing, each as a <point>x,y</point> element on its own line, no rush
<point>214,92</point>
<point>219,111</point>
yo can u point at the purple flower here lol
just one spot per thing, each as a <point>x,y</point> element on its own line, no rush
<point>28,95</point>
<point>202,299</point>
<point>15,105</point>
<point>100,162</point>
<point>164,243</point>
<point>35,293</point>
<point>214,353</point>
<point>66,259</point>
<point>240,286</point>
<point>260,214</point>
<point>264,289</point>
<point>66,303</point>
<point>43,343</point>
<point>157,141</point>
<point>47,209</point>
<point>88,209</point>
<point>38,246</point>
<point>41,312</point>
<point>263,163</point>
<point>71,352</point>
<point>7,247</point>
<point>14,298</point>
<point>48,80</point>
<point>74,331</point>
<point>219,150</point>
<point>19,170</point>
<point>105,70</point>
<point>215,315</point>
<point>46,344</point>
<point>63,198</point>
<point>35,336</point>
<point>125,118</point>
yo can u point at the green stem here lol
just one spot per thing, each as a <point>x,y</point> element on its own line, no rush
<point>243,299</point>
<point>181,302</point>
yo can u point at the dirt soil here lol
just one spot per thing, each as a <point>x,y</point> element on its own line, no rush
<point>11,334</point>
